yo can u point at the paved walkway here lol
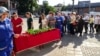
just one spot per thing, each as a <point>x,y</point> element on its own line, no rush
<point>88,45</point>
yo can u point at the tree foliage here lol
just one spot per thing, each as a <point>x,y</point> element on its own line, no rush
<point>64,8</point>
<point>26,5</point>
<point>50,8</point>
<point>46,8</point>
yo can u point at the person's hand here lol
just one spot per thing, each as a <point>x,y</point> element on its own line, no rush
<point>16,35</point>
<point>18,25</point>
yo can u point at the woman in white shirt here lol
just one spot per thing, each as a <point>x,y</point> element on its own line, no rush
<point>96,22</point>
<point>86,21</point>
<point>44,21</point>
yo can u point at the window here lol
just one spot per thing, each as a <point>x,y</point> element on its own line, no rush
<point>81,9</point>
<point>92,9</point>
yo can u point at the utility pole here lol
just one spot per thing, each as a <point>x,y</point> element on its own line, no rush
<point>89,6</point>
<point>73,5</point>
<point>9,4</point>
<point>9,8</point>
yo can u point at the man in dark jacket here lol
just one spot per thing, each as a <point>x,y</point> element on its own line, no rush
<point>80,25</point>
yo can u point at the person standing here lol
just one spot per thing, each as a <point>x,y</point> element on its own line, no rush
<point>80,25</point>
<point>77,20</point>
<point>44,21</point>
<point>72,23</point>
<point>68,22</point>
<point>96,23</point>
<point>29,20</point>
<point>86,21</point>
<point>59,23</point>
<point>91,22</point>
<point>6,33</point>
<point>64,22</point>
<point>17,23</point>
<point>62,15</point>
<point>51,20</point>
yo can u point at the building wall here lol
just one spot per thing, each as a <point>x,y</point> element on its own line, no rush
<point>82,10</point>
<point>86,10</point>
<point>4,1</point>
<point>97,9</point>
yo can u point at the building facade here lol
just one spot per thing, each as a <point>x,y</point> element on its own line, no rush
<point>11,7</point>
<point>85,7</point>
<point>5,3</point>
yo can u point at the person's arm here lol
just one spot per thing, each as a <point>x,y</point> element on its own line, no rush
<point>46,23</point>
<point>12,31</point>
<point>31,23</point>
<point>21,22</point>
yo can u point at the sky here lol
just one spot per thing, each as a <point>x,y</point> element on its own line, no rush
<point>55,2</point>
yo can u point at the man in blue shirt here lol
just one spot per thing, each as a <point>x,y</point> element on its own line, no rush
<point>6,33</point>
<point>59,23</point>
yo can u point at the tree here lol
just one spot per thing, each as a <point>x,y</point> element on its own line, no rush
<point>50,8</point>
<point>64,8</point>
<point>26,5</point>
<point>46,8</point>
<point>33,5</point>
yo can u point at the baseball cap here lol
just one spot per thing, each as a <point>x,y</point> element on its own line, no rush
<point>3,10</point>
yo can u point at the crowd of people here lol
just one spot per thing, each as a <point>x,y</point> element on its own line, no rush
<point>71,23</point>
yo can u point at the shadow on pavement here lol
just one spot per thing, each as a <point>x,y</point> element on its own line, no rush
<point>74,40</point>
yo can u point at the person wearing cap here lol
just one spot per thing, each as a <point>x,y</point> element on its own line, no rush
<point>6,33</point>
